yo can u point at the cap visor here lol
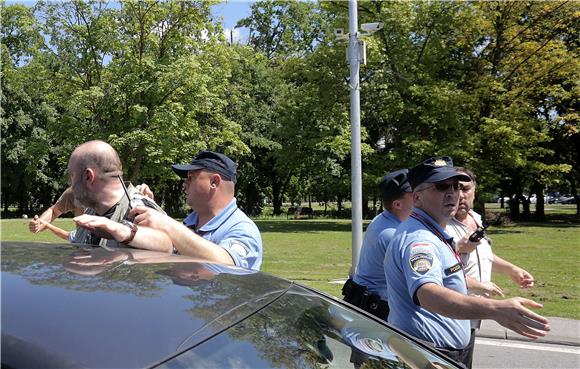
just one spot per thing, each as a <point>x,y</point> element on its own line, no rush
<point>443,175</point>
<point>182,169</point>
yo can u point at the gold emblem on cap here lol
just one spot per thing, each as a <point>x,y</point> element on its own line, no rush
<point>440,163</point>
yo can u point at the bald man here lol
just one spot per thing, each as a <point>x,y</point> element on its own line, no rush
<point>95,176</point>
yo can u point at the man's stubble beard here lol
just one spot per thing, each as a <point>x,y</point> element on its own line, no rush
<point>83,197</point>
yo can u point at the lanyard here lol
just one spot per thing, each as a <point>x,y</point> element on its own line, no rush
<point>436,232</point>
<point>201,232</point>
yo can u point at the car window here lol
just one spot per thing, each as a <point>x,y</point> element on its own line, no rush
<point>305,330</point>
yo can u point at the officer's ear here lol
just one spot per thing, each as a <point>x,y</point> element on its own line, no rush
<point>397,204</point>
<point>215,180</point>
<point>418,199</point>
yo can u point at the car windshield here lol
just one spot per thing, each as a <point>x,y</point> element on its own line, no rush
<point>304,330</point>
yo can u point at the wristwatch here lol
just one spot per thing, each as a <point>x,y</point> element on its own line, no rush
<point>134,229</point>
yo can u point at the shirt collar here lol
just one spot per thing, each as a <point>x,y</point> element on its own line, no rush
<point>215,222</point>
<point>390,216</point>
<point>432,222</point>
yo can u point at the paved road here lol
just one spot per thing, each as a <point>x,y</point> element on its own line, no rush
<point>501,353</point>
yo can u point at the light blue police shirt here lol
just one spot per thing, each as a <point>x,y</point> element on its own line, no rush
<point>417,256</point>
<point>235,232</point>
<point>370,271</point>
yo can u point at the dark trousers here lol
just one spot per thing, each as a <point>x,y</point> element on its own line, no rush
<point>463,356</point>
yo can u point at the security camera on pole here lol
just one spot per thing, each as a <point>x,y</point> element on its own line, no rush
<point>356,55</point>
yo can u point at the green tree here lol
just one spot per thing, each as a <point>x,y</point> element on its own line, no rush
<point>28,170</point>
<point>149,77</point>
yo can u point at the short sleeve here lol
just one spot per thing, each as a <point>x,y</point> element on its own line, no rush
<point>66,202</point>
<point>244,244</point>
<point>421,265</point>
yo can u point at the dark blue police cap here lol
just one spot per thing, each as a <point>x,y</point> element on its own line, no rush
<point>395,184</point>
<point>210,161</point>
<point>433,170</point>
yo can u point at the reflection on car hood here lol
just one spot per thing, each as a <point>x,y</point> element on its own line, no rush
<point>66,307</point>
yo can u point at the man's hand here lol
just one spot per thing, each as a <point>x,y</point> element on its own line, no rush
<point>513,314</point>
<point>487,289</point>
<point>145,190</point>
<point>36,225</point>
<point>103,227</point>
<point>464,246</point>
<point>144,216</point>
<point>522,278</point>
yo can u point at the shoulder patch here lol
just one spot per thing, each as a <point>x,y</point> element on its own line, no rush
<point>421,248</point>
<point>239,248</point>
<point>421,263</point>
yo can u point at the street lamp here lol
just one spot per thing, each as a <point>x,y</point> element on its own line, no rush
<point>355,55</point>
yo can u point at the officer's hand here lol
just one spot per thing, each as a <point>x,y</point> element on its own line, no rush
<point>513,314</point>
<point>145,191</point>
<point>464,246</point>
<point>491,289</point>
<point>103,227</point>
<point>522,278</point>
<point>148,217</point>
<point>36,225</point>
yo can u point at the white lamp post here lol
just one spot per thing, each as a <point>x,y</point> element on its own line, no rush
<point>356,55</point>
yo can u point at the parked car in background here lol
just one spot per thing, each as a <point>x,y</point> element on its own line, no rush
<point>65,307</point>
<point>567,199</point>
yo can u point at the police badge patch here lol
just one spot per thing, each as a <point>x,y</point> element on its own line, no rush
<point>421,263</point>
<point>239,248</point>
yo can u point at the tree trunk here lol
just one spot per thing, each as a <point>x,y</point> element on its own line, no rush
<point>539,214</point>
<point>253,200</point>
<point>525,207</point>
<point>365,206</point>
<point>276,198</point>
<point>514,204</point>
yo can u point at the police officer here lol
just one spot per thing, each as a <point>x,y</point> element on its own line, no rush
<point>368,287</point>
<point>426,285</point>
<point>217,230</point>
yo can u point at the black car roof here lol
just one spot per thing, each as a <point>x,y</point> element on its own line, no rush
<point>118,312</point>
<point>64,307</point>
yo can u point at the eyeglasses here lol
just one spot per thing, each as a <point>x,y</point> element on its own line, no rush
<point>445,187</point>
<point>188,179</point>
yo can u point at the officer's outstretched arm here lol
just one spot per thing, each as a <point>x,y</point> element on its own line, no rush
<point>183,239</point>
<point>511,313</point>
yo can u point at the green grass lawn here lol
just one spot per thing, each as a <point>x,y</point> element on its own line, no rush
<point>314,252</point>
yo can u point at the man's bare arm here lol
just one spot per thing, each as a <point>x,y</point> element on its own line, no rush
<point>511,313</point>
<point>184,240</point>
<point>59,232</point>
<point>38,223</point>
<point>486,289</point>
<point>145,238</point>
<point>520,276</point>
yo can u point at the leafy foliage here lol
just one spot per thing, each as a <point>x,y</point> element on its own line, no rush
<point>492,84</point>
